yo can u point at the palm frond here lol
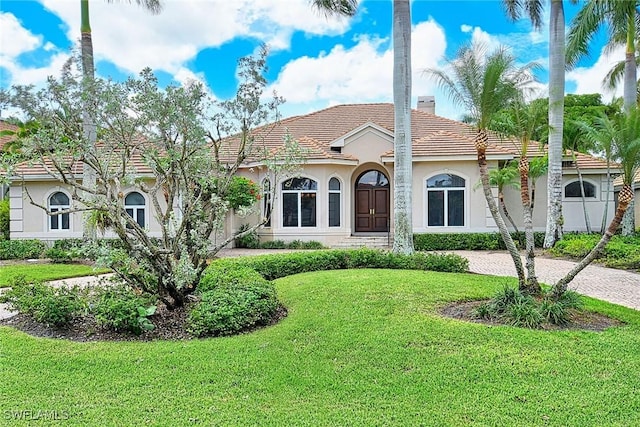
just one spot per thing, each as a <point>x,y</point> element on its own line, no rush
<point>336,7</point>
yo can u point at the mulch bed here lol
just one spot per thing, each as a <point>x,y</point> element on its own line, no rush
<point>169,325</point>
<point>582,320</point>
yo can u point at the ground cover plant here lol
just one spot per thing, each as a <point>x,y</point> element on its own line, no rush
<point>621,252</point>
<point>358,347</point>
<point>45,272</point>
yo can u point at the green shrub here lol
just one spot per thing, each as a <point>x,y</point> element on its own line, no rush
<point>4,219</point>
<point>295,244</point>
<point>229,308</point>
<point>120,308</point>
<point>45,303</point>
<point>469,241</point>
<point>280,265</point>
<point>250,240</point>
<point>621,252</point>
<point>226,274</point>
<point>21,249</point>
<point>554,312</point>
<point>58,255</point>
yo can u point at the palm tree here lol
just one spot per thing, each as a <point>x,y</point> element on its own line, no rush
<point>501,178</point>
<point>623,131</point>
<point>336,7</point>
<point>88,72</point>
<point>402,167</point>
<point>533,9</point>
<point>485,83</point>
<point>621,19</point>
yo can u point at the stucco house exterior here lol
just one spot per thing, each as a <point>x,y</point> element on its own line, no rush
<point>345,187</point>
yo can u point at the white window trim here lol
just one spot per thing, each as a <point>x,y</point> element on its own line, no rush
<point>137,207</point>
<point>47,218</point>
<point>271,195</point>
<point>340,210</point>
<point>299,208</point>
<point>467,207</point>
<point>596,190</point>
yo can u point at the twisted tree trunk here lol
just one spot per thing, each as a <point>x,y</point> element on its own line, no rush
<point>532,285</point>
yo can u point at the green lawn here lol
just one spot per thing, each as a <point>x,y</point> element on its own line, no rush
<point>45,272</point>
<point>359,347</point>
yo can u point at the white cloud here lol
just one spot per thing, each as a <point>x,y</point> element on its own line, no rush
<point>466,28</point>
<point>16,38</point>
<point>35,76</point>
<point>589,79</point>
<point>132,38</point>
<point>363,73</point>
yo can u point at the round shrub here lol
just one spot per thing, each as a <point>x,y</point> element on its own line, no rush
<point>121,309</point>
<point>229,309</point>
<point>226,274</point>
<point>46,304</point>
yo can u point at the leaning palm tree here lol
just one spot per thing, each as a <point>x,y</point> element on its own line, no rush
<point>88,72</point>
<point>502,178</point>
<point>623,132</point>
<point>533,9</point>
<point>485,83</point>
<point>621,20</point>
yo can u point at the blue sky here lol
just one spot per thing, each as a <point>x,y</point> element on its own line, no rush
<point>314,61</point>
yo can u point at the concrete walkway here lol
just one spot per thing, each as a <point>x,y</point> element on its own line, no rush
<point>616,286</point>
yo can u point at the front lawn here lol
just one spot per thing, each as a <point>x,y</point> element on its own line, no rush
<point>359,347</point>
<point>45,272</point>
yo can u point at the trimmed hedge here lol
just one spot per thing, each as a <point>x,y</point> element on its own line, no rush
<point>280,265</point>
<point>21,249</point>
<point>470,241</point>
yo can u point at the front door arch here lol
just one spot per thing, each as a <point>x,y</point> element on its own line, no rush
<point>372,202</point>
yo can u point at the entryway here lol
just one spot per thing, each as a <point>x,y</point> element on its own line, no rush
<point>372,202</point>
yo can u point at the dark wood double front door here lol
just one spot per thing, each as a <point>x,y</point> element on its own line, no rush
<point>372,202</point>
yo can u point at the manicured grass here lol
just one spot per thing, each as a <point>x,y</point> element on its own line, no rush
<point>359,347</point>
<point>46,272</point>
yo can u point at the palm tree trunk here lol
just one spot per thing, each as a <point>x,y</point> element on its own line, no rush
<point>630,95</point>
<point>402,168</point>
<point>606,199</point>
<point>532,285</point>
<point>88,126</point>
<point>624,200</point>
<point>503,208</point>
<point>587,221</point>
<point>481,147</point>
<point>556,112</point>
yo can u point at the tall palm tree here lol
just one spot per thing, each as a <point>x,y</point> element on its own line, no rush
<point>402,167</point>
<point>88,72</point>
<point>621,20</point>
<point>485,83</point>
<point>623,131</point>
<point>501,178</point>
<point>522,120</point>
<point>533,9</point>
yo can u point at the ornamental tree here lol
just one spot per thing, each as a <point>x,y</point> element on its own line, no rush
<point>176,146</point>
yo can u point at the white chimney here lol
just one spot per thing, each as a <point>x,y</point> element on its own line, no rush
<point>427,104</point>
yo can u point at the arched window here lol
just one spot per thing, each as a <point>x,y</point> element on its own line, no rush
<point>266,204</point>
<point>134,204</point>
<point>59,202</point>
<point>334,202</point>
<point>445,201</point>
<point>573,190</point>
<point>299,202</point>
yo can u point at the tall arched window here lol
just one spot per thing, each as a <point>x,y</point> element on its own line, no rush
<point>266,203</point>
<point>299,202</point>
<point>334,202</point>
<point>59,202</point>
<point>445,201</point>
<point>572,190</point>
<point>134,204</point>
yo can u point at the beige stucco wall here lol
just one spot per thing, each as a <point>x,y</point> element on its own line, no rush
<point>28,221</point>
<point>31,222</point>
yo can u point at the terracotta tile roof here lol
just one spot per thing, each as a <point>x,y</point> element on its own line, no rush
<point>618,181</point>
<point>448,144</point>
<point>432,136</point>
<point>4,126</point>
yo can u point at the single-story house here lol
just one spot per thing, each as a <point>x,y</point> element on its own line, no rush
<point>345,187</point>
